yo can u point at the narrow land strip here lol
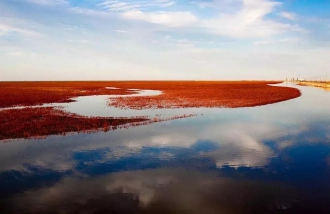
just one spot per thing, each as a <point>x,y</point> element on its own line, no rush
<point>324,85</point>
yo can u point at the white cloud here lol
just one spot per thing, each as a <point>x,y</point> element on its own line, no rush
<point>118,6</point>
<point>285,144</point>
<point>290,40</point>
<point>203,4</point>
<point>125,5</point>
<point>120,31</point>
<point>89,12</point>
<point>248,22</point>
<point>82,41</point>
<point>287,15</point>
<point>287,40</point>
<point>49,2</point>
<point>218,4</point>
<point>170,19</point>
<point>6,29</point>
<point>263,42</point>
<point>236,19</point>
<point>168,4</point>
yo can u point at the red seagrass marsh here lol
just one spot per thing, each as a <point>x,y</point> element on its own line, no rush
<point>32,120</point>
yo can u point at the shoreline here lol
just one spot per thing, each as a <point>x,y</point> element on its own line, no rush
<point>323,85</point>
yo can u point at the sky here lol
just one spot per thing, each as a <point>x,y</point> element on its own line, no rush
<point>163,39</point>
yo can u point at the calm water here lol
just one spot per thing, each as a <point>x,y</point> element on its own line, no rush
<point>268,159</point>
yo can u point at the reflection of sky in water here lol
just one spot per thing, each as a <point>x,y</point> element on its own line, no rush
<point>249,160</point>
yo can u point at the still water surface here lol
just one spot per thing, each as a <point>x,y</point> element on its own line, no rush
<point>267,159</point>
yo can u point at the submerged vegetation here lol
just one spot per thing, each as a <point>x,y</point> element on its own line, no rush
<point>34,122</point>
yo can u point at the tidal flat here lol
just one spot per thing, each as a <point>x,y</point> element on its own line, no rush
<point>164,147</point>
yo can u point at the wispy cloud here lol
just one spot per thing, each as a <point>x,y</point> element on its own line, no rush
<point>89,12</point>
<point>7,29</point>
<point>125,5</point>
<point>82,41</point>
<point>248,22</point>
<point>167,3</point>
<point>288,15</point>
<point>287,40</point>
<point>170,19</point>
<point>118,6</point>
<point>219,5</point>
<point>120,31</point>
<point>202,4</point>
<point>49,2</point>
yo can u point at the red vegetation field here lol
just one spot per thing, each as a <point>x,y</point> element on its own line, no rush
<point>41,122</point>
<point>175,93</point>
<point>44,121</point>
<point>180,94</point>
<point>35,93</point>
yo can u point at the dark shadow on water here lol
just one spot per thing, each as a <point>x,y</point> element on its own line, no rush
<point>157,191</point>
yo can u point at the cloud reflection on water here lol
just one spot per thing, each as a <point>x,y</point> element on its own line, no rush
<point>157,191</point>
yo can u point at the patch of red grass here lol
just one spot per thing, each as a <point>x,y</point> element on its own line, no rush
<point>41,122</point>
<point>184,94</point>
<point>44,121</point>
<point>36,93</point>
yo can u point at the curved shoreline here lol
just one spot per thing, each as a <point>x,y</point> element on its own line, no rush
<point>42,121</point>
<point>208,94</point>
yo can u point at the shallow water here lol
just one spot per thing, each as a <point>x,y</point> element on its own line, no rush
<point>267,159</point>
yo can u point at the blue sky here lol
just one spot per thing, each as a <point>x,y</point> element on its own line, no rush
<point>163,39</point>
